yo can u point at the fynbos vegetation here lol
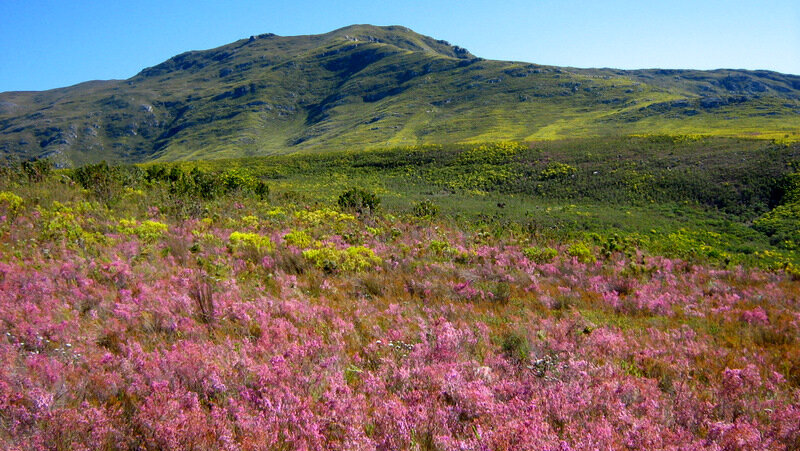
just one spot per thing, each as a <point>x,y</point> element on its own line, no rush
<point>190,306</point>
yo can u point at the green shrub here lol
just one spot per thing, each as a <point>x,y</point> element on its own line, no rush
<point>515,346</point>
<point>492,153</point>
<point>425,209</point>
<point>359,200</point>
<point>239,240</point>
<point>102,180</point>
<point>582,252</point>
<point>148,231</point>
<point>782,225</point>
<point>298,238</point>
<point>261,189</point>
<point>37,170</point>
<point>322,216</point>
<point>354,258</point>
<point>540,255</point>
<point>557,170</point>
<point>10,204</point>
<point>439,247</point>
<point>235,180</point>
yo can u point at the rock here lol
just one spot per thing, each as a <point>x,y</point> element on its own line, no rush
<point>712,102</point>
<point>742,83</point>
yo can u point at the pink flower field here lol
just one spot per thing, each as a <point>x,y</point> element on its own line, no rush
<point>283,326</point>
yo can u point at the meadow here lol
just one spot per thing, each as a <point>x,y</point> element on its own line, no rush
<point>686,196</point>
<point>625,293</point>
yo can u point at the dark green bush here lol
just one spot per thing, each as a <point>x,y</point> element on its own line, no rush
<point>516,347</point>
<point>261,189</point>
<point>425,209</point>
<point>37,170</point>
<point>359,200</point>
<point>102,180</point>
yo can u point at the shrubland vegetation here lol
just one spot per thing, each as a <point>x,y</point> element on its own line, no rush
<point>625,293</point>
<point>680,196</point>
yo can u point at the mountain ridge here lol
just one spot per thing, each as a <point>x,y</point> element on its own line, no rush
<point>371,86</point>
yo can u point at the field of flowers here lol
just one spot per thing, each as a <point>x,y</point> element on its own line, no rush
<point>258,322</point>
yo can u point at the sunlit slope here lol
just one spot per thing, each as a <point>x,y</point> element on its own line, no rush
<point>372,86</point>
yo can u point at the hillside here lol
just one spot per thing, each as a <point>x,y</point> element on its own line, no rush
<point>369,86</point>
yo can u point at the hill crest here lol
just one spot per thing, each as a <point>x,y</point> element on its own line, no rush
<point>370,86</point>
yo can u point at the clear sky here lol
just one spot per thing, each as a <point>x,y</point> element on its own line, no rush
<point>49,44</point>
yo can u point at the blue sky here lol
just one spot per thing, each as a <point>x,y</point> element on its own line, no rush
<point>49,44</point>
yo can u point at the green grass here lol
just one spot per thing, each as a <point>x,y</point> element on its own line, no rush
<point>690,197</point>
<point>720,200</point>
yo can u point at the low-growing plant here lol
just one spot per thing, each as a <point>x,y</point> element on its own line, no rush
<point>440,248</point>
<point>582,252</point>
<point>239,240</point>
<point>425,209</point>
<point>540,255</point>
<point>323,216</point>
<point>147,230</point>
<point>353,258</point>
<point>557,170</point>
<point>250,221</point>
<point>515,346</point>
<point>501,292</point>
<point>298,238</point>
<point>11,205</point>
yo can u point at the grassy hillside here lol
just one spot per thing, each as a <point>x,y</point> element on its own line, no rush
<point>365,86</point>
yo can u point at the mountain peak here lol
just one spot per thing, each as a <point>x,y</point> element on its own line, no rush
<point>272,47</point>
<point>401,37</point>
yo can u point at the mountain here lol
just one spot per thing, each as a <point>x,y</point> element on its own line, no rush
<point>368,86</point>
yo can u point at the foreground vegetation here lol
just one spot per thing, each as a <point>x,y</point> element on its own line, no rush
<point>216,307</point>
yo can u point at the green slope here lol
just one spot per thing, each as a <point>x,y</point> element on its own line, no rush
<point>370,86</point>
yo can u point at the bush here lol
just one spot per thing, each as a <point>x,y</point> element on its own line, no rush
<point>261,189</point>
<point>359,200</point>
<point>37,170</point>
<point>516,347</point>
<point>540,255</point>
<point>354,258</point>
<point>206,185</point>
<point>148,231</point>
<point>102,180</point>
<point>10,204</point>
<point>298,238</point>
<point>782,225</point>
<point>582,252</point>
<point>425,209</point>
<point>557,171</point>
<point>239,240</point>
